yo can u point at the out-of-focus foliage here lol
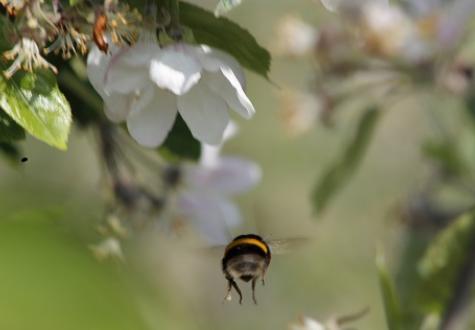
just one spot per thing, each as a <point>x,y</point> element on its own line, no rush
<point>391,301</point>
<point>446,264</point>
<point>49,266</point>
<point>337,174</point>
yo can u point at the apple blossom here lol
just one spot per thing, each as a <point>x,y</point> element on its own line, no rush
<point>202,197</point>
<point>147,86</point>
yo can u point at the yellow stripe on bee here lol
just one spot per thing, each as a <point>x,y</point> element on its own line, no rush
<point>247,240</point>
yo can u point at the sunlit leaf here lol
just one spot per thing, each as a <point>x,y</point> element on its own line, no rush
<point>35,103</point>
<point>221,33</point>
<point>226,5</point>
<point>180,143</point>
<point>340,172</point>
<point>391,302</point>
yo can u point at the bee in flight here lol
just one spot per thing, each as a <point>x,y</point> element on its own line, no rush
<point>247,257</point>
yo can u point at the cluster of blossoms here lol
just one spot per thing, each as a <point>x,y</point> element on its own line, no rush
<point>35,27</point>
<point>147,86</point>
<point>378,49</point>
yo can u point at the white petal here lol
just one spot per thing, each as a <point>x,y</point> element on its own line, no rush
<point>213,59</point>
<point>97,63</point>
<point>176,70</point>
<point>205,113</point>
<point>306,323</point>
<point>226,84</point>
<point>149,124</point>
<point>128,70</point>
<point>210,153</point>
<point>230,213</point>
<point>140,54</point>
<point>144,98</point>
<point>211,216</point>
<point>117,106</point>
<point>231,175</point>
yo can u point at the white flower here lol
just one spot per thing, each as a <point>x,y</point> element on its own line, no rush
<point>147,86</point>
<point>306,323</point>
<point>389,31</point>
<point>295,37</point>
<point>300,110</point>
<point>108,248</point>
<point>203,196</point>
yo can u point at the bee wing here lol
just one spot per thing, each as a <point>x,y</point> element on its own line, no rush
<point>212,250</point>
<point>286,245</point>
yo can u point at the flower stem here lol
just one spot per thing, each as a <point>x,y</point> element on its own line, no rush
<point>174,8</point>
<point>70,81</point>
<point>175,30</point>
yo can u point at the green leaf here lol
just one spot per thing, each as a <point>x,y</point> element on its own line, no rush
<point>9,130</point>
<point>391,303</point>
<point>445,154</point>
<point>225,6</point>
<point>11,152</point>
<point>180,144</point>
<point>443,265</point>
<point>340,172</point>
<point>221,33</point>
<point>34,101</point>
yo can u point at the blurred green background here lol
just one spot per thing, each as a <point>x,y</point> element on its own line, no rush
<point>49,279</point>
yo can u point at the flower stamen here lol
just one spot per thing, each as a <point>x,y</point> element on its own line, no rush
<point>26,56</point>
<point>69,41</point>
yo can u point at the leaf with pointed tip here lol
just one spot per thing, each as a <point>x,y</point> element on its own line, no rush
<point>224,34</point>
<point>339,173</point>
<point>34,101</point>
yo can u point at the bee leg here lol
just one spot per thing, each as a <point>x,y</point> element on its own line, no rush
<point>254,290</point>
<point>227,297</point>
<point>262,278</point>
<point>235,286</point>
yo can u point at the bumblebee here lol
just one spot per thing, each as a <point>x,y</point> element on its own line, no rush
<point>247,257</point>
